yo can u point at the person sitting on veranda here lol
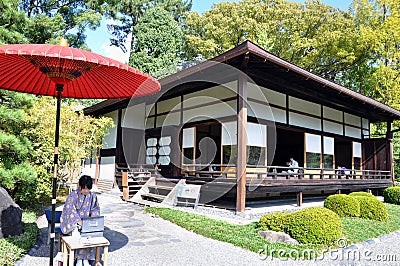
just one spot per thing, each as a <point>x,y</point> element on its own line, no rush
<point>293,166</point>
<point>342,171</point>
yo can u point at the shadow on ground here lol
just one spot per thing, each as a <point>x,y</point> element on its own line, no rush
<point>117,239</point>
<point>41,249</point>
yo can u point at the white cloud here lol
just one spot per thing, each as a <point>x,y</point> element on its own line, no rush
<point>114,53</point>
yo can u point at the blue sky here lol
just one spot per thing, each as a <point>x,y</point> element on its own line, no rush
<point>98,40</point>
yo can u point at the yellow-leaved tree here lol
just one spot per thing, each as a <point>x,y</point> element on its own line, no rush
<point>80,135</point>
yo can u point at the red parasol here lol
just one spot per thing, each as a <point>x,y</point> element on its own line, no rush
<point>37,68</point>
<point>61,71</point>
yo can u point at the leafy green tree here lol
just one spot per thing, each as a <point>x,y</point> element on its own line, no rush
<point>314,36</point>
<point>79,136</point>
<point>379,27</point>
<point>51,20</point>
<point>157,43</point>
<point>127,13</point>
<point>223,27</point>
<point>12,22</point>
<point>17,174</point>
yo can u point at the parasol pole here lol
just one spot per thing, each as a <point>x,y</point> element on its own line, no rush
<point>59,88</point>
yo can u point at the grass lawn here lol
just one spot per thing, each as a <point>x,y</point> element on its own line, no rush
<point>245,236</point>
<point>357,230</point>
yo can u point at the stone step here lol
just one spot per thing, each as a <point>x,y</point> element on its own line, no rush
<point>161,187</point>
<point>105,185</point>
<point>143,202</point>
<point>153,197</point>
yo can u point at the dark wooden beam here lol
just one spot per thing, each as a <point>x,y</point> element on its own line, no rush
<point>119,156</point>
<point>108,152</point>
<point>299,199</point>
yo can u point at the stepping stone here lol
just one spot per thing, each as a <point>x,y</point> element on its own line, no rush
<point>136,244</point>
<point>132,223</point>
<point>157,242</point>
<point>117,219</point>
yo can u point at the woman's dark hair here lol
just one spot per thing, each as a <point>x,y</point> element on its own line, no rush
<point>85,182</point>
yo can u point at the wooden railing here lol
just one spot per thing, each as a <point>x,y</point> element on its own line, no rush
<point>280,172</point>
<point>133,169</point>
<point>209,170</point>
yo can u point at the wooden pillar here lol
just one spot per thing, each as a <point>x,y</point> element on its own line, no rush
<point>299,198</point>
<point>389,137</point>
<point>97,169</point>
<point>241,143</point>
<point>125,189</point>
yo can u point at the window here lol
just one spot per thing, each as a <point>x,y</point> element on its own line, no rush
<point>229,154</point>
<point>229,140</point>
<point>256,143</point>
<point>151,151</point>
<point>188,145</point>
<point>188,155</point>
<point>313,159</point>
<point>255,155</point>
<point>357,151</point>
<point>328,161</point>
<point>329,151</point>
<point>162,150</point>
<point>313,150</point>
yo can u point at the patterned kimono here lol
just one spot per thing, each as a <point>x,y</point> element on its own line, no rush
<point>79,206</point>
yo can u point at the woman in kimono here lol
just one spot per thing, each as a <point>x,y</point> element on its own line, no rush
<point>80,203</point>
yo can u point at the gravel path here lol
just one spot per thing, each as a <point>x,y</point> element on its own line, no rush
<point>138,238</point>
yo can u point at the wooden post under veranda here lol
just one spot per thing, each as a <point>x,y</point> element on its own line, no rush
<point>125,189</point>
<point>389,137</point>
<point>241,143</point>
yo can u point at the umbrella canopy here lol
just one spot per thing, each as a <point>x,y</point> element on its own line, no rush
<point>37,68</point>
<point>61,71</point>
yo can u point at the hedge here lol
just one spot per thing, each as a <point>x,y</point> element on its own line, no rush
<point>343,205</point>
<point>392,195</point>
<point>361,194</point>
<point>371,208</point>
<point>275,221</point>
<point>315,225</point>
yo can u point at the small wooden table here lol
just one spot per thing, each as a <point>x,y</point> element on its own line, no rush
<point>70,244</point>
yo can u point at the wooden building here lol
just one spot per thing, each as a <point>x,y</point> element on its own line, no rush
<point>231,124</point>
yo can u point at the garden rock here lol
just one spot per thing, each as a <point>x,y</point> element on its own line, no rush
<point>273,237</point>
<point>10,216</point>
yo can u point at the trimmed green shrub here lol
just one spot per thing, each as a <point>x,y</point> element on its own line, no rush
<point>315,225</point>
<point>343,205</point>
<point>361,194</point>
<point>392,195</point>
<point>373,209</point>
<point>275,221</point>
